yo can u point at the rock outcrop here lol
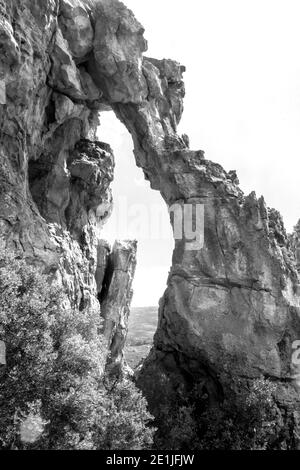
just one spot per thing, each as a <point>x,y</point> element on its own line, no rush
<point>115,294</point>
<point>232,307</point>
<point>55,175</point>
<point>294,239</point>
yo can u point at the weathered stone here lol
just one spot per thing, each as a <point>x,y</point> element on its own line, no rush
<point>74,21</point>
<point>294,239</point>
<point>116,295</point>
<point>232,308</point>
<point>91,91</point>
<point>91,168</point>
<point>103,252</point>
<point>118,48</point>
<point>40,128</point>
<point>10,53</point>
<point>65,76</point>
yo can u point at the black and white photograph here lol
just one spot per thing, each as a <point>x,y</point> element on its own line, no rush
<point>149,229</point>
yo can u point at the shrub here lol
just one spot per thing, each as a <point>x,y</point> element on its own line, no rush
<point>249,420</point>
<point>53,393</point>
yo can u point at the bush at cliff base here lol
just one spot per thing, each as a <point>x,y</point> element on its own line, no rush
<point>53,393</point>
<point>249,419</point>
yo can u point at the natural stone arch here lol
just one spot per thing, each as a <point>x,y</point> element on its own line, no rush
<point>234,303</point>
<point>232,288</point>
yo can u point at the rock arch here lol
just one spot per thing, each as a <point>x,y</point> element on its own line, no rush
<point>231,307</point>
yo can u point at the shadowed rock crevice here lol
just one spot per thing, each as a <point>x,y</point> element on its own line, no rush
<point>108,275</point>
<point>115,295</point>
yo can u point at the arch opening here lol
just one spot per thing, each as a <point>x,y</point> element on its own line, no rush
<point>138,213</point>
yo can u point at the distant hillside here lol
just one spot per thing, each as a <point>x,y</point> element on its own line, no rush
<point>142,326</point>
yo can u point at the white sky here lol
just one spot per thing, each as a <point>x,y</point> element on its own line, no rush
<point>242,105</point>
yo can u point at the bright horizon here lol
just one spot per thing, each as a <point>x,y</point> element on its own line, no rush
<point>242,107</point>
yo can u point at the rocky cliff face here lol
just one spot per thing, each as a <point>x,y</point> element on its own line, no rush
<point>232,307</point>
<point>55,176</point>
<point>294,239</point>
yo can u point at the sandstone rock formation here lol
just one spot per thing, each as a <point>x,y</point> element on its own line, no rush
<point>232,308</point>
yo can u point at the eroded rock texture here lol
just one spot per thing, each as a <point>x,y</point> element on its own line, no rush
<point>55,176</point>
<point>115,294</point>
<point>231,309</point>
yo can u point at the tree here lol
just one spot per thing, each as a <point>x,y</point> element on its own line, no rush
<point>53,392</point>
<point>248,419</point>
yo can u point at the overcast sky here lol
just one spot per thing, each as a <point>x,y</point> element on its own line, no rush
<point>242,107</point>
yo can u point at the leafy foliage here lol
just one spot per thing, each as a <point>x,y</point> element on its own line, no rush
<point>248,420</point>
<point>53,393</point>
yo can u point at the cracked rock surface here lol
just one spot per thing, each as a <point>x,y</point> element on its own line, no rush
<point>231,307</point>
